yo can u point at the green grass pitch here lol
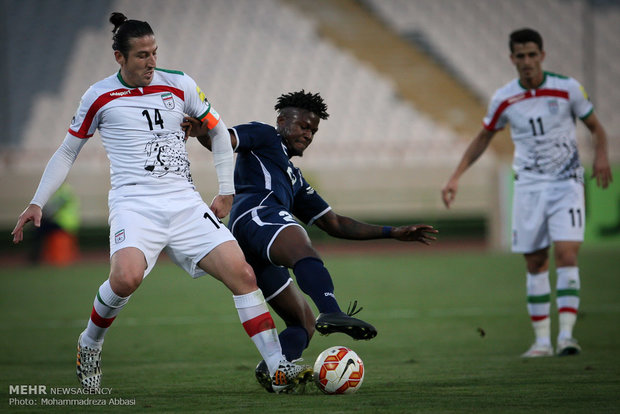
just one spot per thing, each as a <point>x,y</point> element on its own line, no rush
<point>451,329</point>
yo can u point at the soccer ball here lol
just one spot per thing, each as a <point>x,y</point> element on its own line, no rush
<point>338,370</point>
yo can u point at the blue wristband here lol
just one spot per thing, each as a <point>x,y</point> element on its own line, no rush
<point>386,232</point>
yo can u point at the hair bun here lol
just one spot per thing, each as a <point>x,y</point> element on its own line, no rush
<point>117,19</point>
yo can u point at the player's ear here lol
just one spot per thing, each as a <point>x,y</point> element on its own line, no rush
<point>281,120</point>
<point>120,59</point>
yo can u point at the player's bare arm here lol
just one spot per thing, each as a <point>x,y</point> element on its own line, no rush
<point>600,169</point>
<point>475,149</point>
<point>422,233</point>
<point>344,227</point>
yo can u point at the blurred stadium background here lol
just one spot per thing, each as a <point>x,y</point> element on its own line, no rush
<point>406,81</point>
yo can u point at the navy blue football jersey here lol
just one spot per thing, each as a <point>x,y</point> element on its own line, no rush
<point>264,170</point>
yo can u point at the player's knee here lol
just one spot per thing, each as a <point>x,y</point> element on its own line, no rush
<point>245,276</point>
<point>566,258</point>
<point>125,281</point>
<point>289,254</point>
<point>537,262</point>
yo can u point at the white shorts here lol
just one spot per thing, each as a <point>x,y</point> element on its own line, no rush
<point>181,223</point>
<point>546,213</point>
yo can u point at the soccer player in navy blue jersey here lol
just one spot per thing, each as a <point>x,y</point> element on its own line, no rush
<point>270,193</point>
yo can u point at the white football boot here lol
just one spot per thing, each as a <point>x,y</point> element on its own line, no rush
<point>88,366</point>
<point>289,375</point>
<point>538,350</point>
<point>567,347</point>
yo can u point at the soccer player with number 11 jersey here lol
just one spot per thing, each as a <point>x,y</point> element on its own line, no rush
<point>548,203</point>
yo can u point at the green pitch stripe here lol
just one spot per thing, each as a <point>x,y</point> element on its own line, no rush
<point>539,299</point>
<point>568,292</point>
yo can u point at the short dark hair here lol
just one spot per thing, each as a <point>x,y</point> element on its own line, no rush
<point>303,100</point>
<point>125,29</point>
<point>524,36</point>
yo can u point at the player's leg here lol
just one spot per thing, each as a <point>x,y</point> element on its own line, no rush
<point>567,295</point>
<point>538,291</point>
<point>286,299</point>
<point>530,237</point>
<point>226,263</point>
<point>296,313</point>
<point>126,273</point>
<point>567,228</point>
<point>292,248</point>
<point>200,243</point>
<point>135,244</point>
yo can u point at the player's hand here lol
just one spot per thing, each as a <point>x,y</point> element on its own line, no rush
<point>422,233</point>
<point>221,205</point>
<point>602,171</point>
<point>448,193</point>
<point>193,127</point>
<point>31,213</point>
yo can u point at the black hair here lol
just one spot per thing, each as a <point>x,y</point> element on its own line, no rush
<point>125,29</point>
<point>524,36</point>
<point>303,100</point>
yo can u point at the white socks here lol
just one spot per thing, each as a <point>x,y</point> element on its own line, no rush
<point>568,287</point>
<point>105,308</point>
<point>539,302</point>
<point>538,305</point>
<point>259,325</point>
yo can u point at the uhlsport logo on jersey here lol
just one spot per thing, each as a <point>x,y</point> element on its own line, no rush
<point>168,100</point>
<point>119,236</point>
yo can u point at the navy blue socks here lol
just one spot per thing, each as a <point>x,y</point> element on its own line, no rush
<point>315,281</point>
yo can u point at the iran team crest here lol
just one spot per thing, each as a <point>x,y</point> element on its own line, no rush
<point>554,106</point>
<point>119,236</point>
<point>168,100</point>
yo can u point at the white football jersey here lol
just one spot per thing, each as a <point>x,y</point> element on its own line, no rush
<point>141,127</point>
<point>542,125</point>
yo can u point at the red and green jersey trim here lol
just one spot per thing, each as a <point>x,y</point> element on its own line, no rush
<point>110,96</point>
<point>529,94</point>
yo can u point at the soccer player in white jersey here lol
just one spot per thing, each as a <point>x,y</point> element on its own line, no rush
<point>153,203</point>
<point>548,203</point>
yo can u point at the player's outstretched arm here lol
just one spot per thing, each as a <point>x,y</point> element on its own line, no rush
<point>472,153</point>
<point>422,233</point>
<point>600,169</point>
<point>344,227</point>
<point>53,176</point>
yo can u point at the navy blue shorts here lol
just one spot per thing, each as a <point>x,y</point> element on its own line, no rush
<point>271,279</point>
<point>256,231</point>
